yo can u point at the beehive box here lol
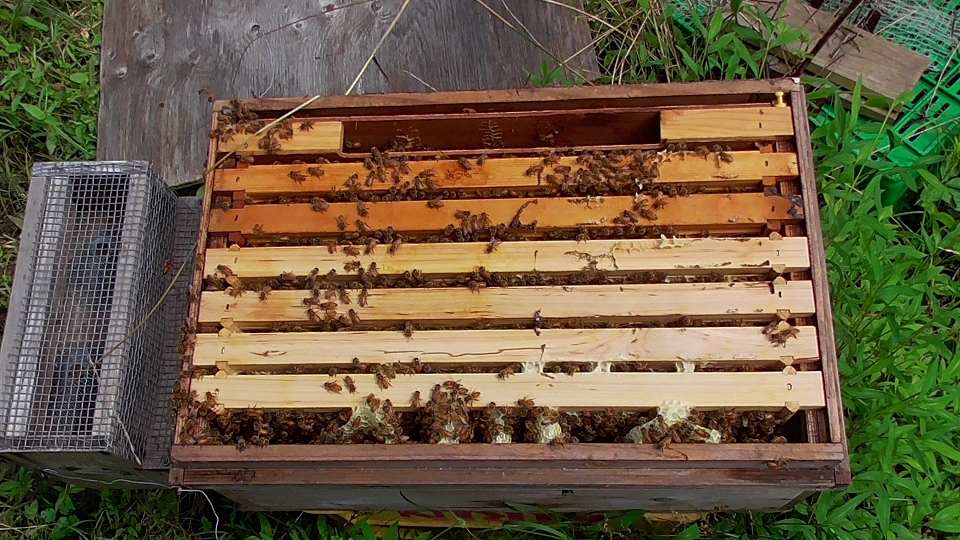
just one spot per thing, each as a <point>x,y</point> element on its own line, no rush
<point>591,298</point>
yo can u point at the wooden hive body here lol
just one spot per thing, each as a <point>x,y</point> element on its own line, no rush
<point>612,240</point>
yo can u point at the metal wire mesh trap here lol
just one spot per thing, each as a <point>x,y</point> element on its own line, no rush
<point>81,362</point>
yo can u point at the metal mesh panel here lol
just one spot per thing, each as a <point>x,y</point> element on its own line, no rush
<point>175,310</point>
<point>84,358</point>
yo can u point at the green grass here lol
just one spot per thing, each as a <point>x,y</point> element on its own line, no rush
<point>894,275</point>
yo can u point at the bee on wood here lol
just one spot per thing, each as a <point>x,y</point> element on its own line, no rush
<point>319,205</point>
<point>344,296</point>
<point>464,163</point>
<point>373,402</point>
<point>506,373</point>
<point>408,329</point>
<point>571,369</point>
<point>382,381</point>
<point>725,155</point>
<point>474,286</point>
<point>395,245</point>
<point>307,125</point>
<point>351,266</point>
<point>167,266</point>
<point>353,251</point>
<point>659,203</point>
<point>492,245</point>
<point>435,203</point>
<point>552,158</point>
<point>353,183</point>
<point>264,291</point>
<point>649,214</point>
<point>415,400</point>
<point>332,387</point>
<point>472,397</point>
<point>354,318</point>
<point>328,305</point>
<point>534,170</point>
<point>702,151</point>
<point>331,246</point>
<point>362,209</point>
<point>315,171</point>
<point>526,403</point>
<point>351,386</point>
<point>297,176</point>
<point>258,230</point>
<point>342,223</point>
<point>371,247</point>
<point>363,227</point>
<point>362,299</point>
<point>481,160</point>
<point>562,169</point>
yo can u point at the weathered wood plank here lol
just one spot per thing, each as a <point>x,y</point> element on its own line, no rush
<point>704,346</point>
<point>733,123</point>
<point>851,54</point>
<point>235,48</point>
<point>447,306</point>
<point>604,456</point>
<point>264,181</point>
<point>722,212</point>
<point>703,391</point>
<point>317,137</point>
<point>686,256</point>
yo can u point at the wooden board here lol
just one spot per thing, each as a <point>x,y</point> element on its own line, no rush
<point>265,181</point>
<point>598,456</point>
<point>450,306</point>
<point>681,256</point>
<point>759,123</point>
<point>316,137</point>
<point>887,69</point>
<point>633,391</point>
<point>234,48</point>
<point>722,212</point>
<point>704,346</point>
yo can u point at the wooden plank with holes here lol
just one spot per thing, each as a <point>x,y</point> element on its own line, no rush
<point>265,181</point>
<point>448,306</point>
<point>681,256</point>
<point>727,124</point>
<point>581,391</point>
<point>307,136</point>
<point>725,212</point>
<point>705,347</point>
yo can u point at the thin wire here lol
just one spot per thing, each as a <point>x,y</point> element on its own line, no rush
<point>370,59</point>
<point>216,516</point>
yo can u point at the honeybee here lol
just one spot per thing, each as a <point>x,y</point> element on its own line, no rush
<point>331,246</point>
<point>362,209</point>
<point>382,381</point>
<point>395,245</point>
<point>315,171</point>
<point>351,386</point>
<point>363,227</point>
<point>370,247</point>
<point>307,125</point>
<point>702,151</point>
<point>506,373</point>
<point>167,266</point>
<point>332,387</point>
<point>464,163</point>
<point>351,145</point>
<point>264,291</point>
<point>258,230</point>
<point>354,318</point>
<point>526,403</point>
<point>562,169</point>
<point>534,170</point>
<point>373,402</point>
<point>328,305</point>
<point>435,203</point>
<point>408,329</point>
<point>481,159</point>
<point>492,245</point>
<point>342,223</point>
<point>353,251</point>
<point>297,176</point>
<point>319,205</point>
<point>351,266</point>
<point>415,400</point>
<point>362,300</point>
<point>344,296</point>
